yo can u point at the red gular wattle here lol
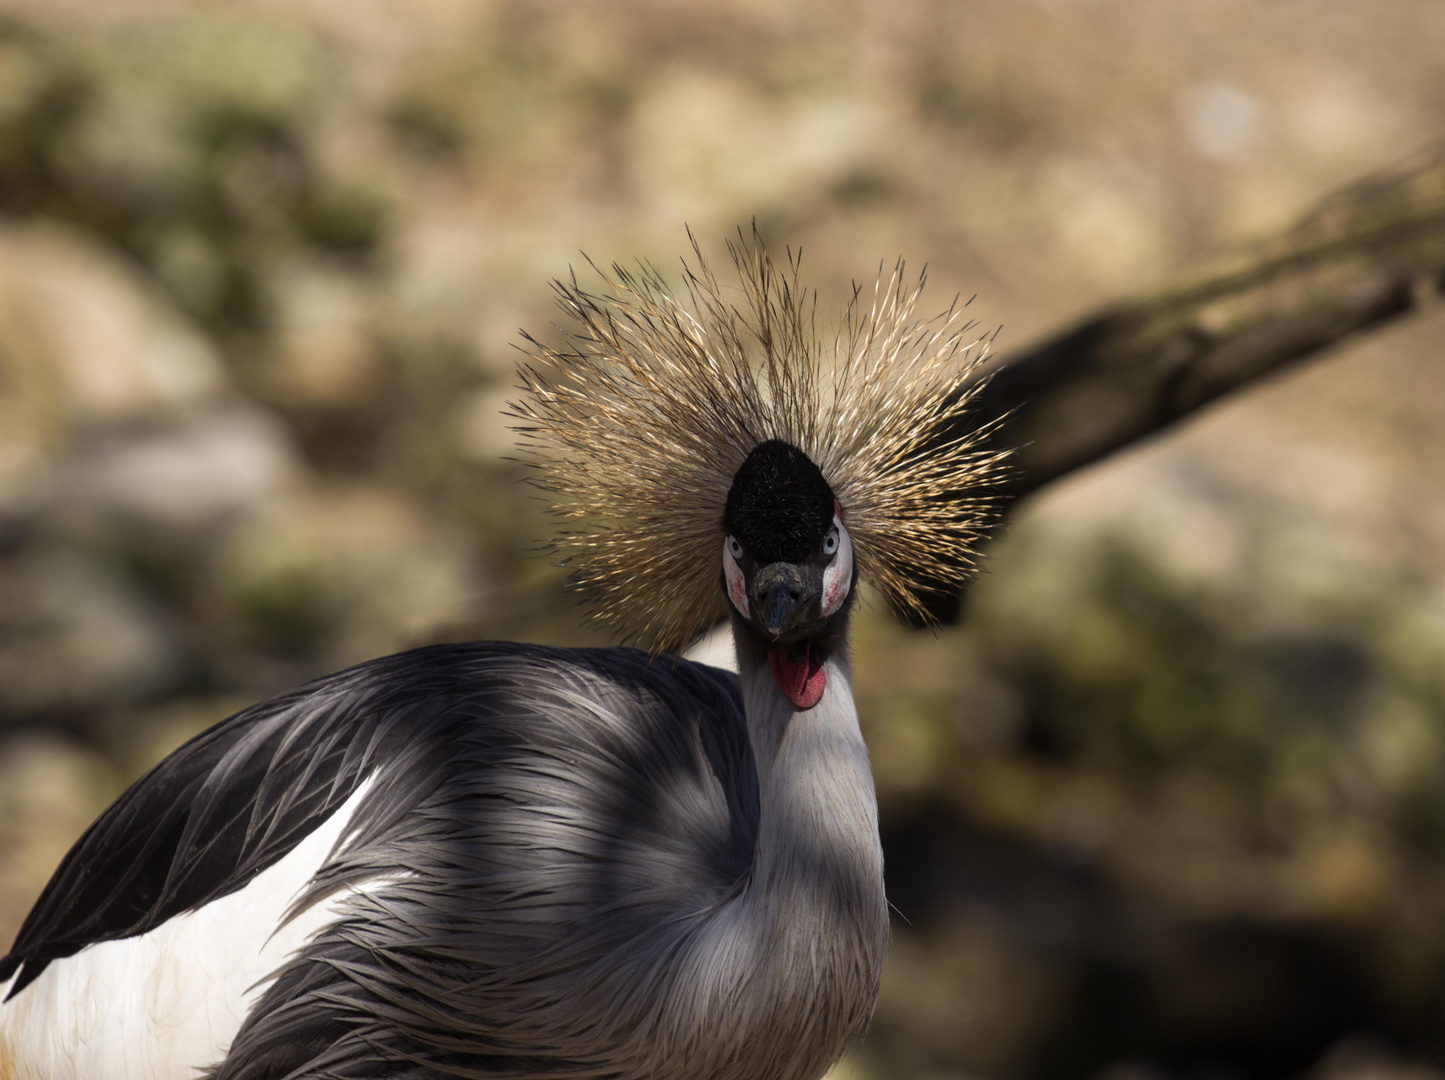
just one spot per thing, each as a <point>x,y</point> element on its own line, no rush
<point>797,675</point>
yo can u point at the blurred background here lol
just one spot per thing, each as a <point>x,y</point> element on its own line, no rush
<point>1170,802</point>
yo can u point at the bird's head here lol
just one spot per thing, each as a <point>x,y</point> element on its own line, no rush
<point>717,433</point>
<point>787,564</point>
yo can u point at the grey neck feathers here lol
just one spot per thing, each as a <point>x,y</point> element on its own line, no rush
<point>818,827</point>
<point>813,905</point>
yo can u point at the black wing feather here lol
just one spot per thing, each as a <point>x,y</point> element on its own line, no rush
<point>528,810</point>
<point>237,798</point>
<point>201,824</point>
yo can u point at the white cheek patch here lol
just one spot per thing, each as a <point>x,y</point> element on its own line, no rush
<point>838,577</point>
<point>737,589</point>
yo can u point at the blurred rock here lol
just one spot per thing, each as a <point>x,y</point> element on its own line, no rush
<point>341,576</point>
<point>1108,219</point>
<point>118,404</point>
<point>212,463</point>
<point>88,340</point>
<point>325,354</point>
<point>712,149</point>
<point>1222,121</point>
<point>75,635</point>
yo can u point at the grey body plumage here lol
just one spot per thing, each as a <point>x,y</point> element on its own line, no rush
<point>591,864</point>
<point>645,894</point>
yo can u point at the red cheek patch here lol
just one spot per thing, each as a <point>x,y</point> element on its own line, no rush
<point>800,677</point>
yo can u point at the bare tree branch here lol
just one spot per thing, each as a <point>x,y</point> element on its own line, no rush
<point>1366,255</point>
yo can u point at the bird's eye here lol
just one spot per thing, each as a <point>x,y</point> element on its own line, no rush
<point>735,549</point>
<point>830,544</point>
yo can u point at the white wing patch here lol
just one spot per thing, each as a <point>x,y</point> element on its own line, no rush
<point>838,577</point>
<point>166,1004</point>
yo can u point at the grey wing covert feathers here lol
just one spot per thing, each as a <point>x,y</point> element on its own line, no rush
<point>537,820</point>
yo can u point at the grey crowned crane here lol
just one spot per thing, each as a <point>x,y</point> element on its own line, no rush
<point>506,860</point>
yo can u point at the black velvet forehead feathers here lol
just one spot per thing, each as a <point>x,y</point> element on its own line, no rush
<point>779,506</point>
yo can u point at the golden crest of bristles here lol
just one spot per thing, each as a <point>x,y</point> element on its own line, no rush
<point>638,424</point>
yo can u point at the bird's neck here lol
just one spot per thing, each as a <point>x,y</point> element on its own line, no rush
<point>818,814</point>
<point>815,895</point>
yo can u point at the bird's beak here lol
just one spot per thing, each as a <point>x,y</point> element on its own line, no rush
<point>784,595</point>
